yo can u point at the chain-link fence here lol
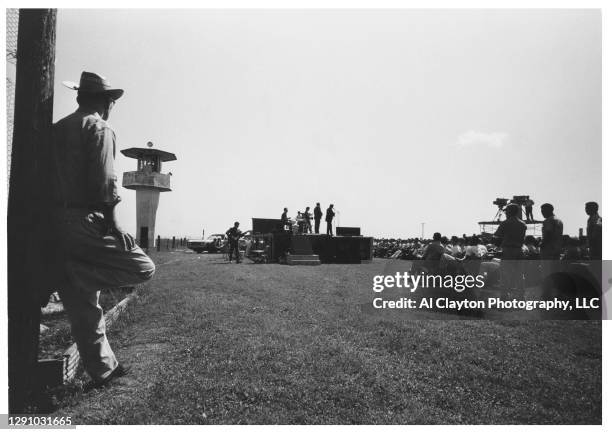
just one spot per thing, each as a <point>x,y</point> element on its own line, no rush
<point>12,26</point>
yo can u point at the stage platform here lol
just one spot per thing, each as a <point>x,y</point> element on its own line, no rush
<point>330,249</point>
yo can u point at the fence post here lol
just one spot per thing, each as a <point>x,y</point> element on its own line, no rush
<point>158,243</point>
<point>173,241</point>
<point>32,127</point>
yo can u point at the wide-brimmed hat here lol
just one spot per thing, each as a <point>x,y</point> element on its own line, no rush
<point>94,84</point>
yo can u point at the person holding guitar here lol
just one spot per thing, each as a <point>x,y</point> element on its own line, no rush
<point>233,236</point>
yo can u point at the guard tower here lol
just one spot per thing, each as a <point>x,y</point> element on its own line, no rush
<point>147,181</point>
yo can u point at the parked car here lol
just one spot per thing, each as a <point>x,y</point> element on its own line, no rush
<point>212,243</point>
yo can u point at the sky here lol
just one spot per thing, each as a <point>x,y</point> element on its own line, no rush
<point>398,117</point>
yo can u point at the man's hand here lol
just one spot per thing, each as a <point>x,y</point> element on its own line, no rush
<point>126,241</point>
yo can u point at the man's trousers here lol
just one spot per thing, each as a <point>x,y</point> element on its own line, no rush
<point>94,261</point>
<point>330,231</point>
<point>234,250</point>
<point>317,225</point>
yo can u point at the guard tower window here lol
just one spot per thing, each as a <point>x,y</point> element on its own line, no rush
<point>149,164</point>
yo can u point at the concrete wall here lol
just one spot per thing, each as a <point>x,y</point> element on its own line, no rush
<point>137,179</point>
<point>147,201</point>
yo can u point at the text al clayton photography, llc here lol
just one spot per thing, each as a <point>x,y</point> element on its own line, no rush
<point>460,283</point>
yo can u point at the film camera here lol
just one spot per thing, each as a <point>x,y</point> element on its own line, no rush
<point>500,203</point>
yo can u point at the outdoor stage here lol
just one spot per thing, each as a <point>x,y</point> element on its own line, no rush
<point>346,249</point>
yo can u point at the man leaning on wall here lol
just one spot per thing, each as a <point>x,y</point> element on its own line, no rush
<point>95,253</point>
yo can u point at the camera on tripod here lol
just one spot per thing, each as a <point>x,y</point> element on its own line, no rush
<point>500,202</point>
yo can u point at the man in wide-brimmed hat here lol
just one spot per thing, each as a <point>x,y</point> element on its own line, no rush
<point>96,253</point>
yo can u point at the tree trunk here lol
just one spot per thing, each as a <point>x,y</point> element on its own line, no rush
<point>31,138</point>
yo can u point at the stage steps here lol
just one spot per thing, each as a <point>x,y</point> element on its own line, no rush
<point>303,260</point>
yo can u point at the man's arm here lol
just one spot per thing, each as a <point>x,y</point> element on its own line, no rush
<point>560,228</point>
<point>498,237</point>
<point>102,181</point>
<point>101,178</point>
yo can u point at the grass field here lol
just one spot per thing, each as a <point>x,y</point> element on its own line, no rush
<point>217,343</point>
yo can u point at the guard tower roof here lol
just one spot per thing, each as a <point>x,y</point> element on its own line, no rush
<point>137,153</point>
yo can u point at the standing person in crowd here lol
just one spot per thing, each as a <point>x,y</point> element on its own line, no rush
<point>307,219</point>
<point>285,221</point>
<point>433,254</point>
<point>233,237</point>
<point>429,257</point>
<point>329,217</point>
<point>529,210</point>
<point>318,214</point>
<point>552,234</point>
<point>593,230</point>
<point>435,249</point>
<point>95,254</point>
<point>511,235</point>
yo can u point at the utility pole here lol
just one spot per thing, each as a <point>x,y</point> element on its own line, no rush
<point>422,230</point>
<point>27,202</point>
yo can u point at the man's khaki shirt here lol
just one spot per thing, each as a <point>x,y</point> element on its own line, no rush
<point>84,154</point>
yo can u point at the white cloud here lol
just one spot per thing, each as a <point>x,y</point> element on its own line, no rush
<point>473,138</point>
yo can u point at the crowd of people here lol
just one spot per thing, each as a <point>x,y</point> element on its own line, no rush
<point>414,248</point>
<point>474,246</point>
<point>500,255</point>
<point>509,242</point>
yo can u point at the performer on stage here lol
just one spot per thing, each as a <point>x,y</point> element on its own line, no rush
<point>307,219</point>
<point>285,221</point>
<point>318,214</point>
<point>233,236</point>
<point>299,220</point>
<point>329,217</point>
